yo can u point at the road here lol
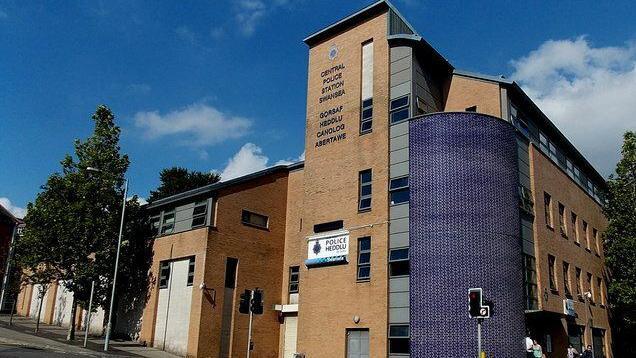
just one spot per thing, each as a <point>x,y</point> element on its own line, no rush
<point>10,351</point>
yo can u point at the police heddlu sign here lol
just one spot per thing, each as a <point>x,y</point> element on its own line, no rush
<point>327,249</point>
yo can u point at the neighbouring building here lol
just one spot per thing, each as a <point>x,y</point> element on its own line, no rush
<point>10,229</point>
<point>420,181</point>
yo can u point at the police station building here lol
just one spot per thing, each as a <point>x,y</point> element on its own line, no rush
<point>420,182</point>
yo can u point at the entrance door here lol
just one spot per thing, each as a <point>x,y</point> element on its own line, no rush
<point>291,331</point>
<point>358,343</point>
<point>173,307</point>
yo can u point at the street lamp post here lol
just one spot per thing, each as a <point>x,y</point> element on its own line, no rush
<point>112,293</point>
<point>588,320</point>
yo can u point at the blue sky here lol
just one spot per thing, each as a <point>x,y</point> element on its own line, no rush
<point>178,74</point>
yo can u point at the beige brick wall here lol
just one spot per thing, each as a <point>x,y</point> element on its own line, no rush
<point>466,92</point>
<point>330,296</point>
<point>547,177</point>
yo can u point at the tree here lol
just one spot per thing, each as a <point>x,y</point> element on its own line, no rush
<point>177,180</point>
<point>620,248</point>
<point>78,216</point>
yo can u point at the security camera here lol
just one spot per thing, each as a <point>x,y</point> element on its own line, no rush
<point>202,286</point>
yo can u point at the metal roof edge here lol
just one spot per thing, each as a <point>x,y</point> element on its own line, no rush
<point>224,184</point>
<point>480,76</point>
<point>419,39</point>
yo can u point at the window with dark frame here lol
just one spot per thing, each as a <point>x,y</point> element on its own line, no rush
<point>364,259</point>
<point>547,205</point>
<point>586,234</point>
<point>566,279</point>
<point>190,272</point>
<point>399,262</point>
<point>562,227</point>
<point>364,201</point>
<point>199,213</point>
<point>399,339</point>
<point>399,190</point>
<point>167,226</point>
<point>579,289</point>
<point>155,223</point>
<point>231,265</point>
<point>575,227</point>
<point>399,109</point>
<point>530,282</point>
<point>552,272</point>
<point>366,116</point>
<point>596,241</point>
<point>254,219</point>
<point>164,274</point>
<point>590,287</point>
<point>294,279</point>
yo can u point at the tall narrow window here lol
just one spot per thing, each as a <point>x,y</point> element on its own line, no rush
<point>596,241</point>
<point>399,190</point>
<point>294,279</point>
<point>547,204</point>
<point>399,339</point>
<point>155,222</point>
<point>366,112</point>
<point>164,274</point>
<point>579,289</point>
<point>167,226</point>
<point>191,272</point>
<point>562,227</point>
<point>364,192</point>
<point>566,279</point>
<point>599,289</point>
<point>590,287</point>
<point>364,259</point>
<point>586,235</point>
<point>198,214</point>
<point>552,273</point>
<point>530,282</point>
<point>575,227</point>
<point>231,264</point>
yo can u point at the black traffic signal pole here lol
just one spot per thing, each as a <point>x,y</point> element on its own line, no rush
<point>249,329</point>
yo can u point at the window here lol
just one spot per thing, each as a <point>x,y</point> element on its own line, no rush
<point>519,121</point>
<point>399,262</point>
<point>566,279</point>
<point>551,273</point>
<point>399,190</point>
<point>599,289</point>
<point>598,342</point>
<point>399,339</point>
<point>596,241</point>
<point>590,287</point>
<point>167,226</point>
<point>587,235</point>
<point>553,152</point>
<point>231,264</point>
<point>155,223</point>
<point>471,109</point>
<point>364,259</point>
<point>547,204</point>
<point>575,226</point>
<point>164,274</point>
<point>329,226</point>
<point>254,219</point>
<point>543,143</point>
<point>364,201</point>
<point>579,289</point>
<point>530,282</point>
<point>190,272</point>
<point>294,279</point>
<point>366,117</point>
<point>399,109</point>
<point>198,214</point>
<point>366,94</point>
<point>575,336</point>
<point>569,168</point>
<point>562,227</point>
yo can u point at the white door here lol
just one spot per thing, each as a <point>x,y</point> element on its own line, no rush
<point>358,344</point>
<point>173,309</point>
<point>291,331</point>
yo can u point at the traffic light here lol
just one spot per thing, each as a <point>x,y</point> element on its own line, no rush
<point>244,305</point>
<point>257,302</point>
<point>476,308</point>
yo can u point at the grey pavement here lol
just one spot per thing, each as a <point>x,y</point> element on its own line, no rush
<point>19,340</point>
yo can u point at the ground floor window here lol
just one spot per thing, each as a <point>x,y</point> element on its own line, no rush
<point>575,336</point>
<point>358,343</point>
<point>598,339</point>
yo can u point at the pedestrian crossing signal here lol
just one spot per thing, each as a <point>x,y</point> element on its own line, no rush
<point>476,308</point>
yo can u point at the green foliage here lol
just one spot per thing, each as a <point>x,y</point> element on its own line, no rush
<point>72,227</point>
<point>620,247</point>
<point>177,180</point>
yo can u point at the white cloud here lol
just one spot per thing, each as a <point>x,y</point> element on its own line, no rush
<point>249,13</point>
<point>589,92</point>
<point>250,159</point>
<point>196,125</point>
<point>15,210</point>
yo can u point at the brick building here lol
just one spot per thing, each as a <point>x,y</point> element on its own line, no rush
<point>420,181</point>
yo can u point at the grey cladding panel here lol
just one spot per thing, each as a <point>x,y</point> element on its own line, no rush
<point>399,52</point>
<point>400,239</point>
<point>400,65</point>
<point>528,247</point>
<point>399,170</point>
<point>399,129</point>
<point>400,77</point>
<point>399,315</point>
<point>398,299</point>
<point>399,225</point>
<point>400,142</point>
<point>399,156</point>
<point>399,211</point>
<point>401,90</point>
<point>399,284</point>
